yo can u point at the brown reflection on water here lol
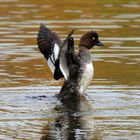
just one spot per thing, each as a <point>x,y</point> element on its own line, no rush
<point>67,125</point>
<point>28,107</point>
<point>117,23</point>
<point>108,112</point>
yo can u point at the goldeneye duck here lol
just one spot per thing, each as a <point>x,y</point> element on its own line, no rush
<point>77,69</point>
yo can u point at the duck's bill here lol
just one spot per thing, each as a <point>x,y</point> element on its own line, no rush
<point>98,43</point>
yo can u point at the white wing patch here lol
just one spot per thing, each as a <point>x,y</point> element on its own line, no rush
<point>64,67</point>
<point>63,62</point>
<point>51,65</point>
<point>53,57</point>
<point>56,51</point>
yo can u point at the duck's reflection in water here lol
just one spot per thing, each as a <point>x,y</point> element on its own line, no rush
<point>70,123</point>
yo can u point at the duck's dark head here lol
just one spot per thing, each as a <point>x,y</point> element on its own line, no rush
<point>90,39</point>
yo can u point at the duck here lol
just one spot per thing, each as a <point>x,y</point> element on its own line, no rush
<point>76,68</point>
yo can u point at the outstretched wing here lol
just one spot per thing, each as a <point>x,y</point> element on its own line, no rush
<point>49,45</point>
<point>67,56</point>
<point>60,57</point>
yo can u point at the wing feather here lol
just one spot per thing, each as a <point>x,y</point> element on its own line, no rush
<point>59,56</point>
<point>67,56</point>
<point>49,45</point>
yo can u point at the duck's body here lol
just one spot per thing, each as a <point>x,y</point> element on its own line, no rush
<point>87,71</point>
<point>81,76</point>
<point>77,69</point>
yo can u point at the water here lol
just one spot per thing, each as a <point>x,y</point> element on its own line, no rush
<point>28,105</point>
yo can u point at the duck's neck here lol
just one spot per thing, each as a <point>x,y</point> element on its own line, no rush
<point>84,54</point>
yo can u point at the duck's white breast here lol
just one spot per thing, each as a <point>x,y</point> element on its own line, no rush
<point>87,76</point>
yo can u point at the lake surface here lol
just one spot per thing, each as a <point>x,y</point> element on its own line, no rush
<point>29,109</point>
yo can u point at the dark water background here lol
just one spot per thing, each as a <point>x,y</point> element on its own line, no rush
<point>28,107</point>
